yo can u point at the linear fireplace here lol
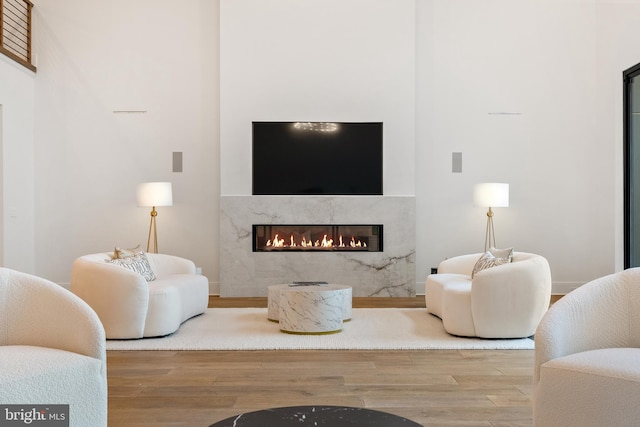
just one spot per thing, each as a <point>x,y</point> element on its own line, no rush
<point>317,237</point>
<point>389,271</point>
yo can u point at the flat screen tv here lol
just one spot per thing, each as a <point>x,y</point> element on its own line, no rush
<point>317,158</point>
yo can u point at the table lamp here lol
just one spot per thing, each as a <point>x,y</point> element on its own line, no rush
<point>153,194</point>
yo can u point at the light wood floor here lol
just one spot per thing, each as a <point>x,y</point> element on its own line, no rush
<point>433,388</point>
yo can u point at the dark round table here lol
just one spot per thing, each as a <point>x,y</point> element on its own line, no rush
<point>300,416</point>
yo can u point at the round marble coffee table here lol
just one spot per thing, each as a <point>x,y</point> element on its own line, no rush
<point>316,416</point>
<point>309,309</point>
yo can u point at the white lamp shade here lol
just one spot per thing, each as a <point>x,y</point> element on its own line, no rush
<point>155,194</point>
<point>491,194</point>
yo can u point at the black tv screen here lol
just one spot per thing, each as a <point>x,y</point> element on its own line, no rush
<point>317,158</point>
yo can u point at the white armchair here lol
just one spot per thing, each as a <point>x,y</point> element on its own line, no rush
<point>587,356</point>
<point>129,306</point>
<point>506,301</point>
<point>52,349</point>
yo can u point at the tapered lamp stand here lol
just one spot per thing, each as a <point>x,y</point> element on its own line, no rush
<point>152,230</point>
<point>490,235</point>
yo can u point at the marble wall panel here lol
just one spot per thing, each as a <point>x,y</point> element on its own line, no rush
<point>388,273</point>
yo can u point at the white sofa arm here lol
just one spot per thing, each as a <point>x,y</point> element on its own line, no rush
<point>509,300</point>
<point>119,296</point>
<point>462,264</point>
<point>603,313</point>
<point>40,313</point>
<point>166,265</point>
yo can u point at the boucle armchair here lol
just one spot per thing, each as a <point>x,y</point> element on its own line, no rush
<point>52,349</point>
<point>587,356</point>
<point>129,306</point>
<point>505,301</point>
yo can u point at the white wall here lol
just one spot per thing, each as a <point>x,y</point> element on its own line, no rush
<point>2,226</point>
<point>95,58</point>
<point>16,99</point>
<point>329,60</point>
<point>617,50</point>
<point>538,60</point>
<point>557,64</point>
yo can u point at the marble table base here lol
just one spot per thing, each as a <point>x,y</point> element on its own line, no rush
<point>274,291</point>
<point>301,416</point>
<point>312,309</point>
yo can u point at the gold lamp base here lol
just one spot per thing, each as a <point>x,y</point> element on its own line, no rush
<point>490,234</point>
<point>152,230</point>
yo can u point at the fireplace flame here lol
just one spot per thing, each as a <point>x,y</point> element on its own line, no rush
<point>276,243</point>
<point>317,238</point>
<point>326,242</point>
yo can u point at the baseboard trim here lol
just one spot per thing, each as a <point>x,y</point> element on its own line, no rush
<point>557,288</point>
<point>563,288</point>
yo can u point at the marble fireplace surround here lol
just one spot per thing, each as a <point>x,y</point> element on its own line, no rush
<point>244,273</point>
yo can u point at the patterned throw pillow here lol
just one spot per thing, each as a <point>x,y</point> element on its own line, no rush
<point>137,263</point>
<point>492,258</point>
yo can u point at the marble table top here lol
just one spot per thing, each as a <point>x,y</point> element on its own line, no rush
<point>300,416</point>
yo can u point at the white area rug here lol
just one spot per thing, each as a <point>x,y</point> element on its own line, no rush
<point>370,329</point>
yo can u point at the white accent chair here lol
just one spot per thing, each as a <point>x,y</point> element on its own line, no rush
<point>52,349</point>
<point>129,306</point>
<point>587,356</point>
<point>506,301</point>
